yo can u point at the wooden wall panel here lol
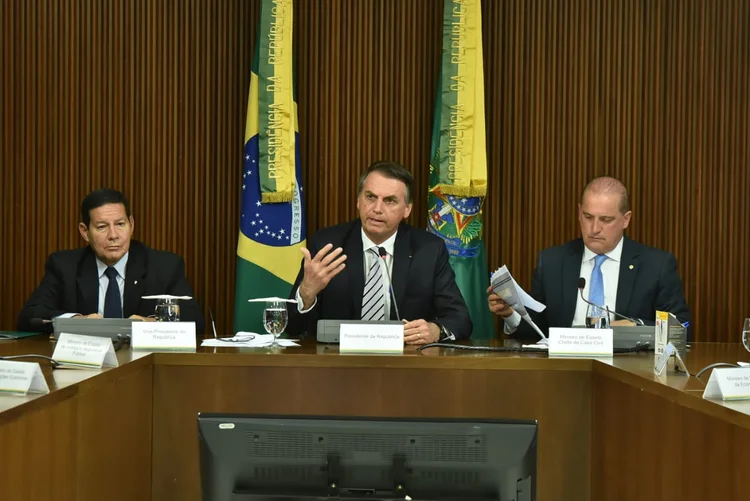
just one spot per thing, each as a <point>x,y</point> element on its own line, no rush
<point>150,97</point>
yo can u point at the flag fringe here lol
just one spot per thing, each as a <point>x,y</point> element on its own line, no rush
<point>276,197</point>
<point>463,191</point>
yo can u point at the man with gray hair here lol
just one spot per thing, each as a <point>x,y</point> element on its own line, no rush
<point>625,276</point>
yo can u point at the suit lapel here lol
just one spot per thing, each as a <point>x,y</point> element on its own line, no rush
<point>628,273</point>
<point>135,280</point>
<point>355,269</point>
<point>88,283</point>
<point>402,253</point>
<point>569,286</point>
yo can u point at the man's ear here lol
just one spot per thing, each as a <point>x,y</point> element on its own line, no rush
<point>626,219</point>
<point>84,231</point>
<point>407,211</point>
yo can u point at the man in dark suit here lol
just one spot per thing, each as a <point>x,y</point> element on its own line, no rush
<point>108,277</point>
<point>344,273</point>
<point>626,276</point>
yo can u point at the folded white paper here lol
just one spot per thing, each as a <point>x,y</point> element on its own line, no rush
<point>505,286</point>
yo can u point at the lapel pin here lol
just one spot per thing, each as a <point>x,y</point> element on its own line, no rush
<point>631,266</point>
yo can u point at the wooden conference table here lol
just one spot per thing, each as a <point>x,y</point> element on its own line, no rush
<point>608,430</point>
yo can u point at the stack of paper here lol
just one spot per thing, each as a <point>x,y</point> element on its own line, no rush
<point>514,296</point>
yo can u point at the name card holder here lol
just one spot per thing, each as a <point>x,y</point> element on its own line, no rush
<point>371,337</point>
<point>153,336</point>
<point>21,378</point>
<point>580,342</point>
<point>660,361</point>
<point>731,383</point>
<point>88,352</point>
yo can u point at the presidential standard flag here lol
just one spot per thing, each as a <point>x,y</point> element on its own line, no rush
<point>458,165</point>
<point>272,223</point>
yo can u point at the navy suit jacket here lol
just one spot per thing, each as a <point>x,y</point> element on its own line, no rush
<point>423,281</point>
<point>648,282</point>
<point>71,285</point>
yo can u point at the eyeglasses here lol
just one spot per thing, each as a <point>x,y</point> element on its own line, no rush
<point>236,339</point>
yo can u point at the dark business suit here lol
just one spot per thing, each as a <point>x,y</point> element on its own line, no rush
<point>423,281</point>
<point>71,285</point>
<point>648,281</point>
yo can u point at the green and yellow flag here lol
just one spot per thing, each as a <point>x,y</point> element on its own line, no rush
<point>272,222</point>
<point>458,165</point>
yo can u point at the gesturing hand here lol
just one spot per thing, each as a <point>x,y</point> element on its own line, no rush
<point>319,270</point>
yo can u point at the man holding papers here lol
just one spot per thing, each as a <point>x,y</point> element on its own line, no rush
<point>108,277</point>
<point>346,270</point>
<point>625,276</point>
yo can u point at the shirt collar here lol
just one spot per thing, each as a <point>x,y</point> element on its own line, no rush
<point>615,254</point>
<point>119,266</point>
<point>387,245</point>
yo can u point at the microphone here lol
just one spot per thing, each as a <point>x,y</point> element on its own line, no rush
<point>582,285</point>
<point>213,324</point>
<point>383,255</point>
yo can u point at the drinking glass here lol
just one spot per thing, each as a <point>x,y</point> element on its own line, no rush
<point>596,318</point>
<point>275,318</point>
<point>167,310</point>
<point>746,334</point>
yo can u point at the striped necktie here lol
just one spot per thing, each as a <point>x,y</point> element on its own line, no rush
<point>373,299</point>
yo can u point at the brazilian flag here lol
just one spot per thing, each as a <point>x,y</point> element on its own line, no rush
<point>272,220</point>
<point>458,165</point>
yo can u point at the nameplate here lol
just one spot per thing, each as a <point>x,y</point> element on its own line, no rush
<point>76,350</point>
<point>731,383</point>
<point>371,338</point>
<point>20,378</point>
<point>575,342</point>
<point>661,333</point>
<point>660,361</point>
<point>163,336</point>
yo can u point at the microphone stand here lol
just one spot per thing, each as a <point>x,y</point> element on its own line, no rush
<point>383,255</point>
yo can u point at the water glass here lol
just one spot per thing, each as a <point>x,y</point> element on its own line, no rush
<point>746,334</point>
<point>596,318</point>
<point>167,310</point>
<point>275,318</point>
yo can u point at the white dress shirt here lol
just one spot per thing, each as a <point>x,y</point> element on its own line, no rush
<point>367,260</point>
<point>611,275</point>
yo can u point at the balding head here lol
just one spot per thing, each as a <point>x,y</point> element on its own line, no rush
<point>604,213</point>
<point>609,185</point>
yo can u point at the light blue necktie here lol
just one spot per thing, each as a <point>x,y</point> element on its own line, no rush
<point>596,292</point>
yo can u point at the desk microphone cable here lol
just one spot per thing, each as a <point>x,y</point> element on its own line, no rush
<point>52,361</point>
<point>712,366</point>
<point>521,349</point>
<point>501,349</point>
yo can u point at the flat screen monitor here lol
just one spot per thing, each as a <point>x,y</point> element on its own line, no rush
<point>264,458</point>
